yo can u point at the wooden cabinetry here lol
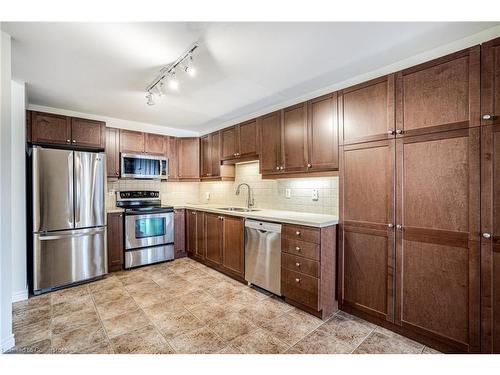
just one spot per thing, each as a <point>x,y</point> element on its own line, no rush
<point>188,158</point>
<point>239,142</point>
<point>490,197</point>
<point>154,144</point>
<point>294,138</point>
<point>308,268</point>
<point>115,242</point>
<point>367,257</point>
<point>367,111</point>
<point>195,245</point>
<point>52,129</point>
<point>113,152</point>
<point>171,152</point>
<point>131,141</point>
<point>270,143</point>
<point>211,169</point>
<point>233,246</point>
<point>214,227</point>
<point>179,233</point>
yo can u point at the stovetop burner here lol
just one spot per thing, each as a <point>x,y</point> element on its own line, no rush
<point>141,201</point>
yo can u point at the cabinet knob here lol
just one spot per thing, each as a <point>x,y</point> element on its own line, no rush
<point>297,248</point>
<point>68,141</point>
<point>281,168</point>
<point>297,280</point>
<point>309,165</point>
<point>399,131</point>
<point>390,225</point>
<point>487,117</point>
<point>391,132</point>
<point>297,264</point>
<point>117,173</point>
<point>297,233</point>
<point>74,141</point>
<point>487,235</point>
<point>399,227</point>
<point>277,168</point>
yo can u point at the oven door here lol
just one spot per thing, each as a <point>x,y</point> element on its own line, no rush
<point>144,166</point>
<point>148,230</point>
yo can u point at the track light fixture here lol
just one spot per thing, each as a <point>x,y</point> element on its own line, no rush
<point>167,76</point>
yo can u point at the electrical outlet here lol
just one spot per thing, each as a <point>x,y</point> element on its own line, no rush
<point>288,193</point>
<point>207,195</point>
<point>315,194</point>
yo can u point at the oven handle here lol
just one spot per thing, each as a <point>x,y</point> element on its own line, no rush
<point>149,216</point>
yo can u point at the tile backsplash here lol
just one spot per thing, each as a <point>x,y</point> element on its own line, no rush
<point>267,193</point>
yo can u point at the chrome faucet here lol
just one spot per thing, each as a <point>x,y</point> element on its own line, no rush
<point>250,201</point>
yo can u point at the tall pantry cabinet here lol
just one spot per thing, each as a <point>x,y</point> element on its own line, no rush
<point>410,201</point>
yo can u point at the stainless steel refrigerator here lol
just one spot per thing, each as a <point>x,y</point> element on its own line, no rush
<point>69,220</point>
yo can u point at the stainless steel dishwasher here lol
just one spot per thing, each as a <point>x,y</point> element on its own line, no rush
<point>263,255</point>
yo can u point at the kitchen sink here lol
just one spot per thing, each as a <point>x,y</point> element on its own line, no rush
<point>238,209</point>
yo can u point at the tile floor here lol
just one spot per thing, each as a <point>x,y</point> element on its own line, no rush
<point>185,307</point>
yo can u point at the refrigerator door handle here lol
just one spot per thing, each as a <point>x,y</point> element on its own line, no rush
<point>80,233</point>
<point>78,187</point>
<point>71,195</point>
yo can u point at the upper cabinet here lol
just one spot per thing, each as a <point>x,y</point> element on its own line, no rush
<point>52,129</point>
<point>490,84</point>
<point>113,152</point>
<point>239,142</point>
<point>131,141</point>
<point>154,144</point>
<point>367,111</point>
<point>300,139</point>
<point>188,152</point>
<point>442,94</point>
<point>211,168</point>
<point>171,152</point>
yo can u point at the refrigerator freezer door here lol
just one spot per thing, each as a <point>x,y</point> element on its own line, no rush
<point>90,181</point>
<point>62,258</point>
<point>52,189</point>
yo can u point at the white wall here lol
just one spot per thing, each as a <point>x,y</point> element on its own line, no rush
<point>6,336</point>
<point>18,192</point>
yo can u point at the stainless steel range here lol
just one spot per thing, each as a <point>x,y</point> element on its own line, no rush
<point>149,228</point>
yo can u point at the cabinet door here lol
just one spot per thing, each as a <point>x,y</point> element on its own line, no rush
<point>215,154</point>
<point>490,241</point>
<point>270,143</point>
<point>367,240</point>
<point>233,250</point>
<point>490,82</point>
<point>48,128</point>
<point>154,144</point>
<point>206,160</point>
<point>213,238</point>
<point>437,246</point>
<point>200,235</point>
<point>113,152</point>
<point>131,141</point>
<point>294,138</point>
<point>115,242</point>
<point>229,143</point>
<point>440,95</point>
<point>323,143</point>
<point>247,141</point>
<point>188,151</point>
<point>366,111</point>
<point>88,133</point>
<point>179,233</point>
<point>191,235</point>
<point>171,150</point>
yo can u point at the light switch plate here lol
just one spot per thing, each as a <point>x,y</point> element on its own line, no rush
<point>288,193</point>
<point>315,194</point>
<point>207,195</point>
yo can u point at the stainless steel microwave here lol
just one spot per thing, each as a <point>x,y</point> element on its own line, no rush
<point>144,166</point>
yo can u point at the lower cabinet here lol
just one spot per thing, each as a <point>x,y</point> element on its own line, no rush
<point>308,268</point>
<point>217,241</point>
<point>179,233</point>
<point>115,241</point>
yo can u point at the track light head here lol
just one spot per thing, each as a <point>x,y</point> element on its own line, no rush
<point>150,99</point>
<point>173,84</point>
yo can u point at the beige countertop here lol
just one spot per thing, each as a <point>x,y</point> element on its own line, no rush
<point>112,210</point>
<point>281,216</point>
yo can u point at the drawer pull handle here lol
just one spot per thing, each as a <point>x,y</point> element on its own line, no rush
<point>297,280</point>
<point>297,233</point>
<point>297,264</point>
<point>297,248</point>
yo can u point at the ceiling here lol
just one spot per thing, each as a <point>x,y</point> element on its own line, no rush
<point>242,68</point>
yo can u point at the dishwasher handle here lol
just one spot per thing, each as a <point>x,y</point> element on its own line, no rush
<point>263,226</point>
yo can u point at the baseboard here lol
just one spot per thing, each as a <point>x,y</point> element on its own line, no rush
<point>20,295</point>
<point>7,343</point>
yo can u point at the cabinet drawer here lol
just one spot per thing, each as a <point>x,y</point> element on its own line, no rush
<point>300,288</point>
<point>300,264</point>
<point>301,233</point>
<point>300,248</point>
